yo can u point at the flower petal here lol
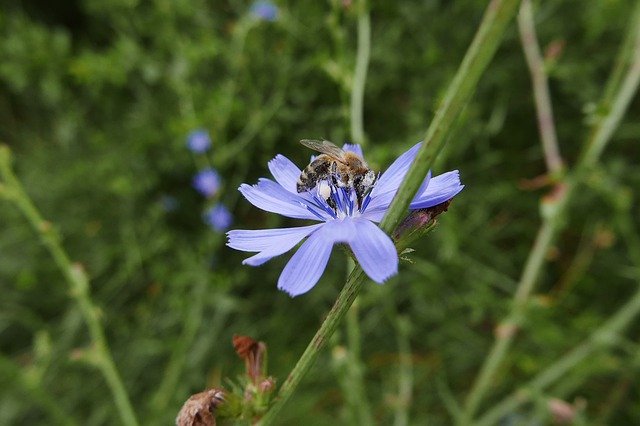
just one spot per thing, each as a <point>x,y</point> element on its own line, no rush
<point>374,250</point>
<point>263,239</point>
<point>440,189</point>
<point>270,196</point>
<point>306,266</point>
<point>389,182</point>
<point>268,242</point>
<point>285,172</point>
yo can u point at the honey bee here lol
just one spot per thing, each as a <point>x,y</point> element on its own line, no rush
<point>342,168</point>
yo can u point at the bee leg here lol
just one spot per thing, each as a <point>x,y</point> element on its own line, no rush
<point>359,190</point>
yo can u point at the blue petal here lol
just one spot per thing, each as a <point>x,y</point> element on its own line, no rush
<point>285,172</point>
<point>393,176</point>
<point>389,182</point>
<point>441,188</point>
<point>270,196</point>
<point>374,250</point>
<point>307,265</point>
<point>268,242</point>
<point>355,148</point>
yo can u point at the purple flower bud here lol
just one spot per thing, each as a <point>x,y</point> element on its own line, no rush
<point>198,141</point>
<point>218,217</point>
<point>265,10</point>
<point>207,182</point>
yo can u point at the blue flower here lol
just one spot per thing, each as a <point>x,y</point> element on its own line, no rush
<point>265,10</point>
<point>198,141</point>
<point>343,223</point>
<point>218,217</point>
<point>207,182</point>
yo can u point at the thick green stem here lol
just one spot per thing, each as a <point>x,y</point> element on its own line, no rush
<point>319,341</point>
<point>485,43</point>
<point>78,282</point>
<point>599,137</point>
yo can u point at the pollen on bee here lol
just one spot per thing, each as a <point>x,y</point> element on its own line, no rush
<point>324,190</point>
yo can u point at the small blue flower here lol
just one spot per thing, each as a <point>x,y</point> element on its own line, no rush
<point>343,223</point>
<point>218,217</point>
<point>207,182</point>
<point>265,10</point>
<point>198,141</point>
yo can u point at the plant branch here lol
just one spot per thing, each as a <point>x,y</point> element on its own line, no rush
<point>346,297</point>
<point>360,74</point>
<point>484,45</point>
<point>540,84</point>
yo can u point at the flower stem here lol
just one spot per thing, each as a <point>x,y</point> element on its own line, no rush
<point>494,23</point>
<point>360,74</point>
<point>599,137</point>
<point>78,281</point>
<point>346,297</point>
<point>540,83</point>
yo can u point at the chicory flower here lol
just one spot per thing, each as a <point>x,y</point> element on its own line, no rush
<point>340,221</point>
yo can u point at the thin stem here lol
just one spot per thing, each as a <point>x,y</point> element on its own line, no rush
<point>78,282</point>
<point>494,23</point>
<point>356,390</point>
<point>346,297</point>
<point>541,94</point>
<point>360,74</point>
<point>405,372</point>
<point>556,205</point>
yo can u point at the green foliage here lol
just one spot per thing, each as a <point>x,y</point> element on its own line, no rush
<point>96,100</point>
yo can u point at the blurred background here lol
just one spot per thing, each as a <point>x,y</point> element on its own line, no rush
<point>108,107</point>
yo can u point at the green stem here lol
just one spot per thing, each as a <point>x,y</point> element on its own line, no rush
<point>482,49</point>
<point>345,299</point>
<point>494,23</point>
<point>78,288</point>
<point>360,74</point>
<point>599,137</point>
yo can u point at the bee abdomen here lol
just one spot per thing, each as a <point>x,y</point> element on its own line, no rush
<point>318,169</point>
<point>306,181</point>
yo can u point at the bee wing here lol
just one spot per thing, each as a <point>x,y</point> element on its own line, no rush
<point>324,147</point>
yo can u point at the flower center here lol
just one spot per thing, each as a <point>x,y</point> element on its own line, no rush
<point>336,201</point>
